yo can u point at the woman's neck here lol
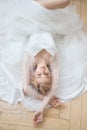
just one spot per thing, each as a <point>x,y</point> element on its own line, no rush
<point>43,57</point>
<point>42,61</point>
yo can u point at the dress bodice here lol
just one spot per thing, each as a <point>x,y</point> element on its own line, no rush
<point>42,40</point>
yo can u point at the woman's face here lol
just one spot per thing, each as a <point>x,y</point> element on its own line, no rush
<point>42,73</point>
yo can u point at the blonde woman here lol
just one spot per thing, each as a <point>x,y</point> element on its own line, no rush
<point>41,71</point>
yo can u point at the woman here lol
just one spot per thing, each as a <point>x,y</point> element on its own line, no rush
<point>41,62</point>
<point>59,29</point>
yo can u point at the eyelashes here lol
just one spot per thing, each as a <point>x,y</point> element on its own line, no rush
<point>49,67</point>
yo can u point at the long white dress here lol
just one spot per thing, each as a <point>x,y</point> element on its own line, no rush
<point>19,19</point>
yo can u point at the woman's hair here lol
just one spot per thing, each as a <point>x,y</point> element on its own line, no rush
<point>42,88</point>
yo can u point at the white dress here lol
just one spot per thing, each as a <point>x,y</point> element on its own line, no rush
<point>19,20</point>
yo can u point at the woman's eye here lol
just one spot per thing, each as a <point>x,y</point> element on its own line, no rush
<point>39,74</point>
<point>47,74</point>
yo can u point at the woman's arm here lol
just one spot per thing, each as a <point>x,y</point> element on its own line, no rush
<point>27,88</point>
<point>53,4</point>
<point>38,115</point>
<point>26,70</point>
<point>55,71</point>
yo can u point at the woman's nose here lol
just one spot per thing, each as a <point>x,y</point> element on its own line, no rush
<point>43,68</point>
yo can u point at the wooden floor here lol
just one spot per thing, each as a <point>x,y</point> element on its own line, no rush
<point>71,116</point>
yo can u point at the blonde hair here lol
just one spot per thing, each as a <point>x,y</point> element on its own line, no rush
<point>42,88</point>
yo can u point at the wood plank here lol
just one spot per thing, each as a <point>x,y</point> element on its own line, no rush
<point>75,117</point>
<point>0,114</point>
<point>77,0</point>
<point>13,127</point>
<point>65,111</point>
<point>6,107</point>
<point>52,113</point>
<point>84,14</point>
<point>48,123</point>
<point>84,112</point>
<point>17,119</point>
<point>52,123</point>
<point>77,3</point>
<point>84,1</point>
<point>4,127</point>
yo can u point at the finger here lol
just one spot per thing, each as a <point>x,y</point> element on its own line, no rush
<point>35,122</point>
<point>58,104</point>
<point>38,120</point>
<point>34,118</point>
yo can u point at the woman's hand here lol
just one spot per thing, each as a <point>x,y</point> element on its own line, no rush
<point>54,102</point>
<point>38,117</point>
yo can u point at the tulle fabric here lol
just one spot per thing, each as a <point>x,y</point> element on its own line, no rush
<point>19,19</point>
<point>73,66</point>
